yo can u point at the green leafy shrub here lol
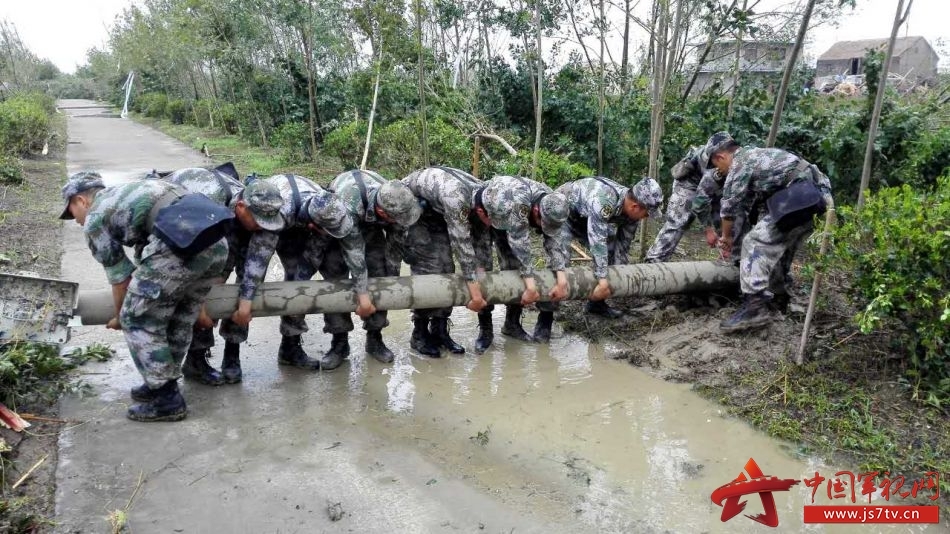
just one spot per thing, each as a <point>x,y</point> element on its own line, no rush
<point>151,104</point>
<point>11,169</point>
<point>33,372</point>
<point>898,248</point>
<point>553,169</point>
<point>293,139</point>
<point>202,113</point>
<point>346,143</point>
<point>24,123</point>
<point>397,148</point>
<point>176,111</point>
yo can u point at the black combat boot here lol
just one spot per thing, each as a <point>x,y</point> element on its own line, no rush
<point>167,404</point>
<point>753,313</point>
<point>542,329</point>
<point>512,326</point>
<point>376,348</point>
<point>439,328</point>
<point>780,302</point>
<point>600,307</point>
<point>291,353</point>
<point>231,363</point>
<point>142,393</point>
<point>486,332</point>
<point>339,351</point>
<point>421,340</point>
<point>196,367</point>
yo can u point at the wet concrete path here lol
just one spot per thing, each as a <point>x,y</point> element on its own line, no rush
<point>524,438</point>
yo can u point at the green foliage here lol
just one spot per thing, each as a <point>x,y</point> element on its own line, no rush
<point>293,140</point>
<point>151,104</point>
<point>33,372</point>
<point>203,113</point>
<point>176,111</point>
<point>346,143</point>
<point>72,86</point>
<point>25,122</point>
<point>11,169</point>
<point>553,169</point>
<point>897,250</point>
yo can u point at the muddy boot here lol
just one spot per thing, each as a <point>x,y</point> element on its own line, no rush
<point>291,353</point>
<point>376,348</point>
<point>421,341</point>
<point>780,302</point>
<point>196,367</point>
<point>600,307</point>
<point>339,351</point>
<point>440,332</point>
<point>142,393</point>
<point>167,404</point>
<point>512,326</point>
<point>753,313</point>
<point>231,363</point>
<point>542,329</point>
<point>486,332</point>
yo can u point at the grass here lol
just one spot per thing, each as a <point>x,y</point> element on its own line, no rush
<point>246,155</point>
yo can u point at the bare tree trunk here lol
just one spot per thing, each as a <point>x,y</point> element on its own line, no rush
<point>601,97</point>
<point>738,73</point>
<point>659,97</point>
<point>424,134</point>
<point>899,18</point>
<point>580,40</point>
<point>308,59</point>
<point>625,57</point>
<point>713,34</point>
<point>537,119</point>
<point>787,76</point>
<point>372,110</point>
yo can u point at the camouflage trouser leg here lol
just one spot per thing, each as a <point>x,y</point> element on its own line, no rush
<point>203,338</point>
<point>429,251</point>
<point>162,304</point>
<point>376,266</point>
<point>678,218</point>
<point>507,261</point>
<point>302,253</point>
<point>767,253</point>
<point>332,266</point>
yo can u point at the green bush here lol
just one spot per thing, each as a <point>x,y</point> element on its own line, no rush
<point>151,105</point>
<point>202,113</point>
<point>176,111</point>
<point>346,143</point>
<point>11,169</point>
<point>397,148</point>
<point>24,123</point>
<point>293,140</point>
<point>897,249</point>
<point>72,86</point>
<point>553,169</point>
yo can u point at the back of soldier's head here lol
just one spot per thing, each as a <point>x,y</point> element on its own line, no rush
<point>398,202</point>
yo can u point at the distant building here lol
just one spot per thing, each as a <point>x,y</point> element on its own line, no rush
<point>913,58</point>
<point>757,59</point>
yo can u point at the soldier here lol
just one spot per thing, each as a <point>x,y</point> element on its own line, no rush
<point>686,178</point>
<point>604,217</point>
<point>156,302</point>
<point>512,206</point>
<point>383,211</point>
<point>783,192</point>
<point>318,238</point>
<point>705,208</point>
<point>251,244</point>
<point>447,225</point>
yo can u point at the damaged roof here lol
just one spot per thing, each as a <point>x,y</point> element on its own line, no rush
<point>853,49</point>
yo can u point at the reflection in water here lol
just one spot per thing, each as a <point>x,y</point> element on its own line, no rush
<point>356,383</point>
<point>531,377</point>
<point>572,365</point>
<point>497,371</point>
<point>461,377</point>
<point>400,387</point>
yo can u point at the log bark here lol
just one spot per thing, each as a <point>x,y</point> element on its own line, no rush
<point>437,290</point>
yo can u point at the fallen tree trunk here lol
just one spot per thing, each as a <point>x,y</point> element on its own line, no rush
<point>438,290</point>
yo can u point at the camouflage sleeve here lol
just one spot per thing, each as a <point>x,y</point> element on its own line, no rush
<point>736,188</point>
<point>686,166</point>
<point>107,250</point>
<point>260,250</point>
<point>461,236</point>
<point>824,186</point>
<point>482,238</point>
<point>599,231</point>
<point>520,242</point>
<point>395,244</point>
<point>354,254</point>
<point>558,248</point>
<point>702,202</point>
<point>625,235</point>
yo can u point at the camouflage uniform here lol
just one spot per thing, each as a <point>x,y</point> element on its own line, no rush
<point>508,201</point>
<point>767,252</point>
<point>332,250</point>
<point>705,208</point>
<point>166,291</point>
<point>249,253</point>
<point>686,178</point>
<point>447,224</point>
<point>378,238</point>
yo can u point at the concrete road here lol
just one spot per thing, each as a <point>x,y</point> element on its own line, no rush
<point>525,438</point>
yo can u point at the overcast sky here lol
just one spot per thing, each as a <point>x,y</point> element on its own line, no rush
<point>63,30</point>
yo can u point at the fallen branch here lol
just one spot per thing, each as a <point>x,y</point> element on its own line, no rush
<point>501,141</point>
<point>28,473</point>
<point>581,253</point>
<point>31,417</point>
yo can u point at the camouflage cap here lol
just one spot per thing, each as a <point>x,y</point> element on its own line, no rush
<point>718,141</point>
<point>648,194</point>
<point>504,204</point>
<point>554,212</point>
<point>77,183</point>
<point>330,213</point>
<point>398,202</point>
<point>264,201</point>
